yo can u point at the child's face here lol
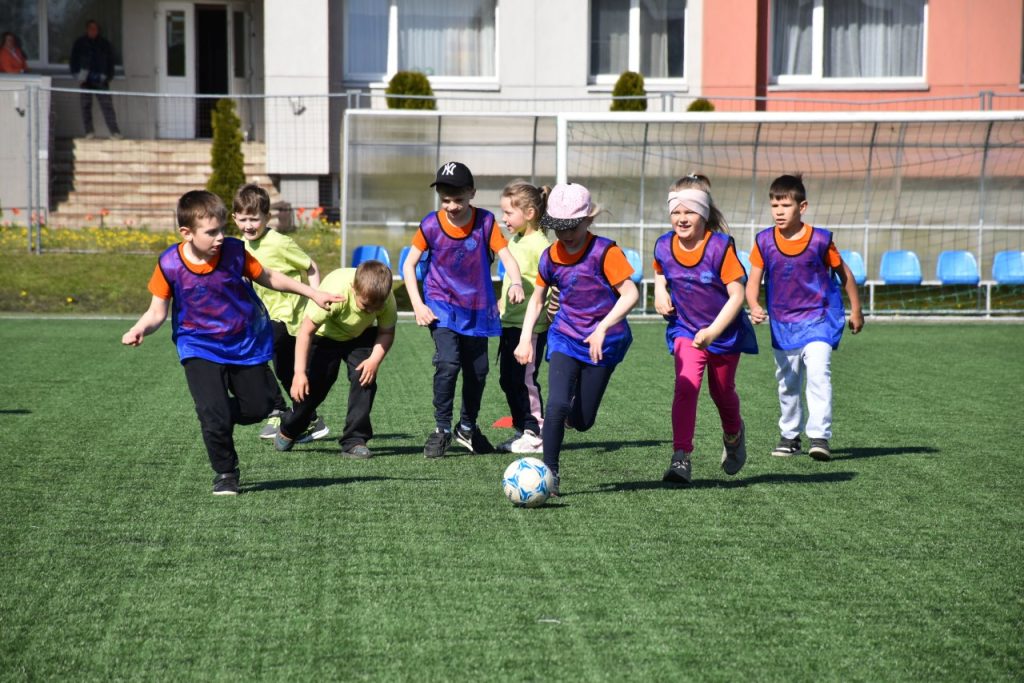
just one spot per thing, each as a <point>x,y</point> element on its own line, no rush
<point>689,225</point>
<point>205,238</point>
<point>788,213</point>
<point>573,240</point>
<point>252,225</point>
<point>456,205</point>
<point>513,217</point>
<point>366,305</point>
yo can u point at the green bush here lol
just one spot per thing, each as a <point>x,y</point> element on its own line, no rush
<point>630,84</point>
<point>410,83</point>
<point>226,160</point>
<point>701,104</point>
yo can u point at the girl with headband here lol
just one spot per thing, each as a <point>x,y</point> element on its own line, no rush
<point>699,288</point>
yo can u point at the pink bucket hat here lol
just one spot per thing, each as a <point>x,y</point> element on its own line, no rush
<point>568,205</point>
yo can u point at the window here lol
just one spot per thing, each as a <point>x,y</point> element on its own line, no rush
<point>847,39</point>
<point>48,28</point>
<point>441,38</point>
<point>646,36</point>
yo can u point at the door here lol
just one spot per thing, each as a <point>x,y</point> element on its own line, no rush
<point>213,47</point>
<point>176,69</point>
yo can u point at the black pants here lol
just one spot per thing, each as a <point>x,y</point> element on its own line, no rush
<point>106,106</point>
<point>519,382</point>
<point>326,358</point>
<point>284,362</point>
<point>575,390</point>
<point>226,395</point>
<point>453,353</point>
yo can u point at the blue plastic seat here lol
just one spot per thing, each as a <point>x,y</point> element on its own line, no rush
<point>367,252</point>
<point>900,267</point>
<point>744,257</point>
<point>957,268</point>
<point>635,260</point>
<point>1008,268</point>
<point>855,262</point>
<point>421,267</point>
<point>501,270</point>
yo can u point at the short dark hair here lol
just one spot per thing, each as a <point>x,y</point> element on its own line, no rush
<point>251,198</point>
<point>373,282</point>
<point>788,187</point>
<point>453,190</point>
<point>198,204</point>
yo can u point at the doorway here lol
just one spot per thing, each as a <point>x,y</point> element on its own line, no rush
<point>211,63</point>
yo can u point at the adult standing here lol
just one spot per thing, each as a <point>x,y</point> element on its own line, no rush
<point>12,59</point>
<point>92,65</point>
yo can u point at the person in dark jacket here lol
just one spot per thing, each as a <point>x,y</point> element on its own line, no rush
<point>92,65</point>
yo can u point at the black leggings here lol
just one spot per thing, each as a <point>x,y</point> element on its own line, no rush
<point>575,390</point>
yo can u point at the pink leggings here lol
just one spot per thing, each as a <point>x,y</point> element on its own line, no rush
<point>690,364</point>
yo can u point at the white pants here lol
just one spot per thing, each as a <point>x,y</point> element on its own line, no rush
<point>814,363</point>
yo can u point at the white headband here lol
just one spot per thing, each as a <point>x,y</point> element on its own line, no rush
<point>694,200</point>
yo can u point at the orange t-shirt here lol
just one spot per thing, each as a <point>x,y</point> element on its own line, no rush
<point>616,266</point>
<point>158,285</point>
<point>497,243</point>
<point>795,246</point>
<point>732,269</point>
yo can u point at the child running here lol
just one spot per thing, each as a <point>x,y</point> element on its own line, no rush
<point>698,287</point>
<point>221,329</point>
<point>522,206</point>
<point>589,335</point>
<point>805,309</point>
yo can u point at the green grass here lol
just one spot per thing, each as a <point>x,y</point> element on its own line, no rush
<point>899,560</point>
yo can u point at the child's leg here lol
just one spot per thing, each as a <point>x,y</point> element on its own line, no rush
<point>284,361</point>
<point>533,385</point>
<point>324,364</point>
<point>690,364</point>
<point>790,375</point>
<point>590,387</point>
<point>208,384</point>
<point>722,387</point>
<point>475,364</point>
<point>512,377</point>
<point>358,428</point>
<point>563,374</point>
<point>817,357</point>
<point>252,392</point>
<point>447,364</point>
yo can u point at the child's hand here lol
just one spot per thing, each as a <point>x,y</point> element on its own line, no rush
<point>300,386</point>
<point>424,316</point>
<point>757,315</point>
<point>596,341</point>
<point>134,337</point>
<point>663,303</point>
<point>524,352</point>
<point>367,371</point>
<point>325,299</point>
<point>856,322</point>
<point>702,339</point>
<point>516,293</point>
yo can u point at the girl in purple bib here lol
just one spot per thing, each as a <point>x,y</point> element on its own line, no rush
<point>698,287</point>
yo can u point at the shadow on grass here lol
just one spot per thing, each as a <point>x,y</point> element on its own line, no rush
<point>15,411</point>
<point>308,483</point>
<point>608,446</point>
<point>820,478</point>
<point>854,453</point>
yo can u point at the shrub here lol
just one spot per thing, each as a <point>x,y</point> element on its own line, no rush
<point>226,160</point>
<point>410,83</point>
<point>630,84</point>
<point>701,104</point>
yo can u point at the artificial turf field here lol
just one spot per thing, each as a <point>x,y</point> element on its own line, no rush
<point>899,560</point>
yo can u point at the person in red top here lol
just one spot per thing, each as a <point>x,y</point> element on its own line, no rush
<point>12,58</point>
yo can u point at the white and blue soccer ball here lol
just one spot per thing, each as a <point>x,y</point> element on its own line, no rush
<point>528,482</point>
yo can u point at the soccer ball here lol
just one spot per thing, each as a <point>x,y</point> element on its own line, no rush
<point>528,482</point>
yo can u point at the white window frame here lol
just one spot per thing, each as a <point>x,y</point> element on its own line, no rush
<point>436,82</point>
<point>690,37</point>
<point>43,65</point>
<point>817,80</point>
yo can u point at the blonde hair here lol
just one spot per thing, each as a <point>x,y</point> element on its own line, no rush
<point>526,196</point>
<point>373,282</point>
<point>695,181</point>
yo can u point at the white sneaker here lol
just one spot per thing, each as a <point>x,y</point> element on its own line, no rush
<point>316,431</point>
<point>529,442</point>
<point>506,445</point>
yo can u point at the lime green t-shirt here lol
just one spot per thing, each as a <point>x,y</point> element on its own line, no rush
<point>527,250</point>
<point>281,253</point>
<point>345,321</point>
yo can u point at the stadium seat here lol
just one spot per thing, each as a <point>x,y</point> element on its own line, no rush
<point>957,268</point>
<point>1008,268</point>
<point>635,260</point>
<point>501,270</point>
<point>900,267</point>
<point>855,262</point>
<point>367,252</point>
<point>421,267</point>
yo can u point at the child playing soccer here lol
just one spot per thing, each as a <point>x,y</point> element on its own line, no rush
<point>343,336</point>
<point>221,329</point>
<point>805,309</point>
<point>251,212</point>
<point>458,303</point>
<point>522,205</point>
<point>698,287</point>
<point>589,335</point>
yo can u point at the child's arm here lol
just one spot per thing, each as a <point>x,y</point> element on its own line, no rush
<point>516,293</point>
<point>149,323</point>
<point>628,296</point>
<point>757,314</point>
<point>282,283</point>
<point>368,368</point>
<point>850,285</point>
<point>662,301</point>
<point>729,311</point>
<point>299,389</point>
<point>313,273</point>
<point>424,316</point>
<point>524,351</point>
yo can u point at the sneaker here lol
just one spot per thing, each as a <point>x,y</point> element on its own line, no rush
<point>529,442</point>
<point>787,447</point>
<point>506,445</point>
<point>282,442</point>
<point>680,471</point>
<point>734,454</point>
<point>437,444</point>
<point>473,439</point>
<point>116,136</point>
<point>272,426</point>
<point>819,450</point>
<point>314,432</point>
<point>90,135</point>
<point>554,493</point>
<point>225,484</point>
<point>357,452</point>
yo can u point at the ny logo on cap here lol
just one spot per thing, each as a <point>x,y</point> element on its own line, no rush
<point>448,169</point>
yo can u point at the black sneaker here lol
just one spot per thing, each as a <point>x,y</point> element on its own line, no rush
<point>555,493</point>
<point>473,439</point>
<point>225,484</point>
<point>357,451</point>
<point>787,447</point>
<point>680,471</point>
<point>819,450</point>
<point>734,454</point>
<point>437,444</point>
